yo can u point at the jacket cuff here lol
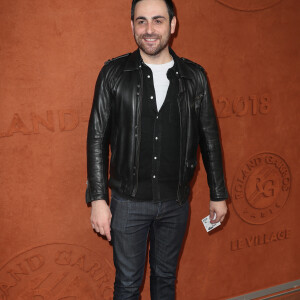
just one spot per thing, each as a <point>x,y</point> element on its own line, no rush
<point>90,198</point>
<point>218,199</point>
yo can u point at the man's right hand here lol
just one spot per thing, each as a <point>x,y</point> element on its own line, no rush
<point>101,217</point>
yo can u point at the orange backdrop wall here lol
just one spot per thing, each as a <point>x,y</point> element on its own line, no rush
<point>51,52</point>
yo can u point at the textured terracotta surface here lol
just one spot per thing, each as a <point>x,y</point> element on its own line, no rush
<point>51,52</point>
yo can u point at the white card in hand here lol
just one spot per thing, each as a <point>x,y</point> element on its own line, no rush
<point>209,226</point>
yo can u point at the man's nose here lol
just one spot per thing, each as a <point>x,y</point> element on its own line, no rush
<point>149,28</point>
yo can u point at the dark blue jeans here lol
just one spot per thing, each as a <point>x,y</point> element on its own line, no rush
<point>131,222</point>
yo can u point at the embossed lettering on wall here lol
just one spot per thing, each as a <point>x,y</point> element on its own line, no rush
<point>57,272</point>
<point>249,5</point>
<point>261,188</point>
<point>51,120</point>
<point>260,239</point>
<point>241,106</point>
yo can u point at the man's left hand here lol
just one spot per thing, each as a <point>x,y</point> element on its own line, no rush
<point>218,207</point>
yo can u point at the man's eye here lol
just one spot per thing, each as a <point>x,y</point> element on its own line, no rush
<point>141,22</point>
<point>158,21</point>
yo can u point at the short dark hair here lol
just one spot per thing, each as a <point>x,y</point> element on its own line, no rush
<point>169,4</point>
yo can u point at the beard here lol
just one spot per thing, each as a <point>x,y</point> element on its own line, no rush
<point>152,50</point>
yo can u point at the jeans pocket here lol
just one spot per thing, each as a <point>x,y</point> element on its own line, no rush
<point>119,211</point>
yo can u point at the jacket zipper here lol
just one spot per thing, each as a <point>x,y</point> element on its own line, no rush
<point>139,111</point>
<point>180,156</point>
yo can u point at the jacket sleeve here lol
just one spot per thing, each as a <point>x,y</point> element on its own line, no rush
<point>210,143</point>
<point>98,140</point>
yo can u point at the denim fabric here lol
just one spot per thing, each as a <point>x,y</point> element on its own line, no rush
<point>132,221</point>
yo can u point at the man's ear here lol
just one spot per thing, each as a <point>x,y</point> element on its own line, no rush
<point>132,26</point>
<point>173,24</point>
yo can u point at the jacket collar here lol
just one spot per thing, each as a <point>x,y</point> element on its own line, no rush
<point>135,61</point>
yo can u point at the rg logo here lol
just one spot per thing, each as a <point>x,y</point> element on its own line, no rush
<point>261,187</point>
<point>264,192</point>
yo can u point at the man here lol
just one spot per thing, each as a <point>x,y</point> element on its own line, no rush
<point>154,109</point>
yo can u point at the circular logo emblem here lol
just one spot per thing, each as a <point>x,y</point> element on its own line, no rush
<point>261,188</point>
<point>57,272</point>
<point>249,5</point>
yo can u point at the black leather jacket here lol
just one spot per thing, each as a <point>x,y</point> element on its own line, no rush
<point>116,120</point>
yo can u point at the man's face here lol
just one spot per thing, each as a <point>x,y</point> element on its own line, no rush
<point>151,26</point>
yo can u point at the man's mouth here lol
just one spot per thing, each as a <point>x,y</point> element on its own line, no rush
<point>150,40</point>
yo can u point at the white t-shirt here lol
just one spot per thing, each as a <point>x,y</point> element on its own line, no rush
<point>161,81</point>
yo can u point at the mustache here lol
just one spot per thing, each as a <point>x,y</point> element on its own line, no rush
<point>150,36</point>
